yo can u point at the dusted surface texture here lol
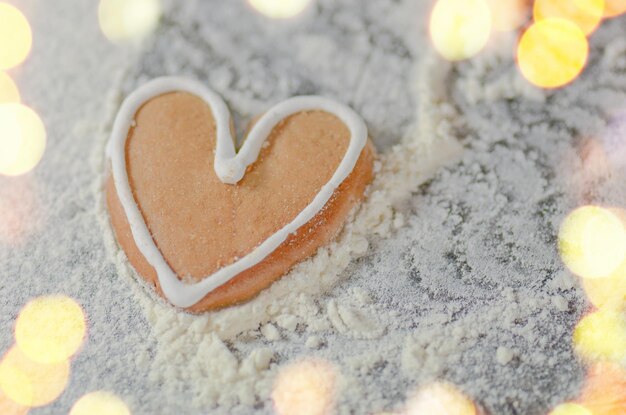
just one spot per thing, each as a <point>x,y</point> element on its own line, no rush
<point>471,278</point>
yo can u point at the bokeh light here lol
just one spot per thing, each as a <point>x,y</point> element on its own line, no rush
<point>29,383</point>
<point>607,293</point>
<point>16,38</point>
<point>601,335</point>
<point>280,9</point>
<point>592,242</point>
<point>440,399</point>
<point>305,388</point>
<point>586,14</point>
<point>507,15</point>
<point>571,409</point>
<point>552,53</point>
<point>8,90</point>
<point>10,407</point>
<point>122,20</point>
<point>604,392</point>
<point>100,403</point>
<point>22,139</point>
<point>460,28</point>
<point>50,329</point>
<point>614,8</point>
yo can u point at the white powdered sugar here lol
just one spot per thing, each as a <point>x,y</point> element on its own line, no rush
<point>447,272</point>
<point>191,347</point>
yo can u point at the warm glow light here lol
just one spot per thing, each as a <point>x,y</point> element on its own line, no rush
<point>596,162</point>
<point>570,409</point>
<point>305,388</point>
<point>280,9</point>
<point>460,28</point>
<point>587,14</point>
<point>128,19</point>
<point>592,242</point>
<point>604,392</point>
<point>440,399</point>
<point>552,53</point>
<point>614,8</point>
<point>8,89</point>
<point>607,292</point>
<point>16,37</point>
<point>100,403</point>
<point>22,139</point>
<point>29,383</point>
<point>20,215</point>
<point>508,15</point>
<point>50,329</point>
<point>9,407</point>
<point>601,336</point>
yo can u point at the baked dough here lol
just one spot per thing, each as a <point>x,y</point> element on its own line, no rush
<point>200,224</point>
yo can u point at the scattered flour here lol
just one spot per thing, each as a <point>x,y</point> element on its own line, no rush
<point>504,355</point>
<point>447,273</point>
<point>470,289</point>
<point>270,332</point>
<point>313,342</point>
<point>190,347</point>
<point>560,303</point>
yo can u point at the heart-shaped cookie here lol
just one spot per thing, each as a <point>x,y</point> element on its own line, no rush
<point>210,226</point>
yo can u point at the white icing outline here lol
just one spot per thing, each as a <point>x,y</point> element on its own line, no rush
<point>230,166</point>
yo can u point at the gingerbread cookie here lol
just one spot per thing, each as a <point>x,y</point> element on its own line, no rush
<point>210,226</point>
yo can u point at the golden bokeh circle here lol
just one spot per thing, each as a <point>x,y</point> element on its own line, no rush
<point>9,93</point>
<point>100,403</point>
<point>586,14</point>
<point>30,383</point>
<point>124,20</point>
<point>570,409</point>
<point>459,29</point>
<point>16,37</point>
<point>604,390</point>
<point>22,139</point>
<point>10,407</point>
<point>552,53</point>
<point>305,388</point>
<point>601,335</point>
<point>614,8</point>
<point>280,9</point>
<point>607,292</point>
<point>592,242</point>
<point>50,329</point>
<point>440,398</point>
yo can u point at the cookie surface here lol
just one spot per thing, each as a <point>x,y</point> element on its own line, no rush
<point>201,224</point>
